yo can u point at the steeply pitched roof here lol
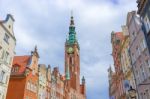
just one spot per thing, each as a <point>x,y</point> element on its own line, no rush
<point>22,62</point>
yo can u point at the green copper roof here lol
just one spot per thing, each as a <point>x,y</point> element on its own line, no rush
<point>72,34</point>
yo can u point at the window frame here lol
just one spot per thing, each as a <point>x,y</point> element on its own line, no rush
<point>6,38</point>
<point>2,76</point>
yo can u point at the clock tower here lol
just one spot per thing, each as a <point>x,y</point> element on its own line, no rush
<point>72,59</point>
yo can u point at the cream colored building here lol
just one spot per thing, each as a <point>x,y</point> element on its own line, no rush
<point>125,59</point>
<point>7,52</point>
<point>42,82</point>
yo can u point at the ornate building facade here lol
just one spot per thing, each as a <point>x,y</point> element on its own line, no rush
<point>140,57</point>
<point>116,40</point>
<point>7,52</point>
<point>42,81</point>
<point>112,84</point>
<point>143,11</point>
<point>23,83</point>
<point>129,78</point>
<point>57,85</point>
<point>48,82</point>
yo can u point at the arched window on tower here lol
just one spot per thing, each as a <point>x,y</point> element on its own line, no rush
<point>71,61</point>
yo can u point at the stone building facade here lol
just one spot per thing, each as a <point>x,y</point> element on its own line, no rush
<point>42,81</point>
<point>48,82</point>
<point>140,57</point>
<point>23,83</point>
<point>129,77</point>
<point>112,84</point>
<point>143,11</point>
<point>116,40</point>
<point>57,91</point>
<point>7,52</point>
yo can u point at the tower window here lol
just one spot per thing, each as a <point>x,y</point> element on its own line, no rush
<point>71,60</point>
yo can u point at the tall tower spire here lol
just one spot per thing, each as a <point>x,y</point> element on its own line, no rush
<point>72,60</point>
<point>72,33</point>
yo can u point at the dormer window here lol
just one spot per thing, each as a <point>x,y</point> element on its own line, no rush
<point>15,69</point>
<point>6,38</point>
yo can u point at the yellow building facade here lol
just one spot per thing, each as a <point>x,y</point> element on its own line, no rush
<point>126,61</point>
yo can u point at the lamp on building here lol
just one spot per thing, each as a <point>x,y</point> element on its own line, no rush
<point>132,93</point>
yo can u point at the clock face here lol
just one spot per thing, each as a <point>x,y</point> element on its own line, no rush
<point>70,50</point>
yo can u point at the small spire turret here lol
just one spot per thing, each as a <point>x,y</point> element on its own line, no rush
<point>83,80</point>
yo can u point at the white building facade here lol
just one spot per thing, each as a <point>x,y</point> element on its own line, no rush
<point>7,52</point>
<point>42,82</point>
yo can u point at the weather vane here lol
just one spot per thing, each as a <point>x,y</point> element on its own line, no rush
<point>71,12</point>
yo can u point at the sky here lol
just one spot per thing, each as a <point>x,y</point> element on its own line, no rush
<point>45,23</point>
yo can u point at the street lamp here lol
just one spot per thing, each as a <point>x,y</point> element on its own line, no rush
<point>132,93</point>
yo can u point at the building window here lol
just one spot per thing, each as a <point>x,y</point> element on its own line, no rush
<point>1,52</point>
<point>10,61</point>
<point>133,34</point>
<point>143,75</point>
<point>2,55</point>
<point>141,96</point>
<point>71,60</point>
<point>133,57</point>
<point>7,79</point>
<point>138,77</point>
<point>147,23</point>
<point>1,96</point>
<point>2,74</point>
<point>6,38</point>
<point>143,44</point>
<point>15,69</point>
<point>148,65</point>
<point>138,51</point>
<point>7,57</point>
<point>35,88</point>
<point>28,85</point>
<point>147,93</point>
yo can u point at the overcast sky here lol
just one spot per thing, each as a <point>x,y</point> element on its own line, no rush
<point>45,23</point>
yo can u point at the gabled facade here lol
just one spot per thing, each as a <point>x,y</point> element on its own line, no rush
<point>139,53</point>
<point>42,81</point>
<point>112,84</point>
<point>126,62</point>
<point>57,91</point>
<point>23,83</point>
<point>143,11</point>
<point>48,82</point>
<point>7,52</point>
<point>116,40</point>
